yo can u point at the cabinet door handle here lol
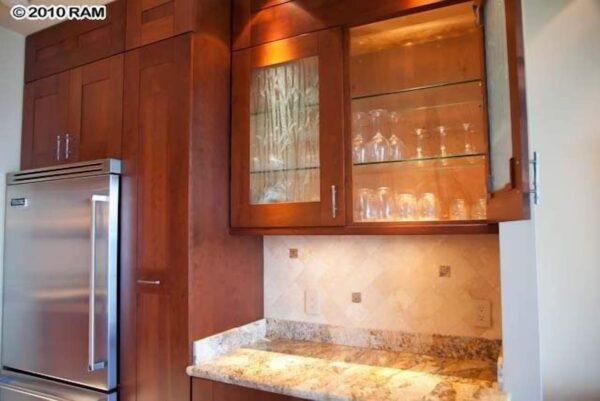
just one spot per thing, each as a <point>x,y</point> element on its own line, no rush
<point>58,140</point>
<point>149,282</point>
<point>334,201</point>
<point>67,146</point>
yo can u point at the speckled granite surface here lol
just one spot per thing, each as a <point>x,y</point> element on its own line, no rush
<point>323,371</point>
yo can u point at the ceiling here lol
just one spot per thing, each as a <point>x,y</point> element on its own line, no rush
<point>25,27</point>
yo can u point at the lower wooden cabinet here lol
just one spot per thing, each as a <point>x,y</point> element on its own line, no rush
<point>205,390</point>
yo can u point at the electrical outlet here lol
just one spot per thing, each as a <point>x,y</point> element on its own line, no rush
<point>293,253</point>
<point>356,297</point>
<point>483,313</point>
<point>311,302</point>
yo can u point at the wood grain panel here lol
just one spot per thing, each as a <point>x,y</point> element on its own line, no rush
<point>152,21</point>
<point>96,110</point>
<point>45,110</point>
<point>258,26</point>
<point>157,126</point>
<point>74,43</point>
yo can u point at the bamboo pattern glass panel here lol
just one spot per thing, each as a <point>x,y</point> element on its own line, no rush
<point>284,133</point>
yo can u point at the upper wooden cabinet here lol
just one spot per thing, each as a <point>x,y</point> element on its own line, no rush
<point>149,21</point>
<point>287,133</point>
<point>434,122</point>
<point>74,43</point>
<point>74,116</point>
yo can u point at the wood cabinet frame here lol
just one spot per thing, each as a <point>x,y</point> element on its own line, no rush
<point>327,46</point>
<point>258,22</point>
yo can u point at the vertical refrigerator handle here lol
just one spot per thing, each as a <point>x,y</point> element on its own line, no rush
<point>92,364</point>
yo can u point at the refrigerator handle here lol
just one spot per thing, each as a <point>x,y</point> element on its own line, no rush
<point>92,364</point>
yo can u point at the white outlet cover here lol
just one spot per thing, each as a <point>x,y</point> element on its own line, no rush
<point>482,313</point>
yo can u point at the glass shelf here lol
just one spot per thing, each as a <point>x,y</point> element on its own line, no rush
<point>285,170</point>
<point>423,159</point>
<point>419,88</point>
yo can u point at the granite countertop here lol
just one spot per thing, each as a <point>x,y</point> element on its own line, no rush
<point>325,371</point>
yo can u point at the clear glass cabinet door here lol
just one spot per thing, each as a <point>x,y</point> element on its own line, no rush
<point>419,123</point>
<point>287,133</point>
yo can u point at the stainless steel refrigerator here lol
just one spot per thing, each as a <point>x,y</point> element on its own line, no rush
<point>59,321</point>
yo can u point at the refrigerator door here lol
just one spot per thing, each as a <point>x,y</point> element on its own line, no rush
<point>17,387</point>
<point>60,280</point>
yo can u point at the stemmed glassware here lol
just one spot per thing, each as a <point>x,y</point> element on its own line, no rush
<point>385,202</point>
<point>468,138</point>
<point>378,148</point>
<point>420,150</point>
<point>443,134</point>
<point>360,125</point>
<point>397,147</point>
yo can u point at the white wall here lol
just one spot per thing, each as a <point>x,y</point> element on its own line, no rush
<point>563,71</point>
<point>12,53</point>
<point>562,43</point>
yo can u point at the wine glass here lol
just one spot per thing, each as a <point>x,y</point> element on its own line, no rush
<point>420,151</point>
<point>443,134</point>
<point>380,120</point>
<point>397,148</point>
<point>359,150</point>
<point>385,202</point>
<point>459,209</point>
<point>468,135</point>
<point>378,148</point>
<point>406,206</point>
<point>429,207</point>
<point>479,209</point>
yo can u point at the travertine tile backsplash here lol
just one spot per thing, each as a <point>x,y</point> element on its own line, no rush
<point>398,277</point>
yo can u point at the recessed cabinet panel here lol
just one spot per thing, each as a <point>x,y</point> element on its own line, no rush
<point>419,129</point>
<point>284,133</point>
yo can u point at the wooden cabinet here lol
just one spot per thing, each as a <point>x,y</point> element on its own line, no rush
<point>204,390</point>
<point>287,154</point>
<point>183,276</point>
<point>433,119</point>
<point>74,43</point>
<point>45,108</point>
<point>151,21</point>
<point>74,116</point>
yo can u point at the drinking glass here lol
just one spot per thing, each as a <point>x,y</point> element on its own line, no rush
<point>479,209</point>
<point>359,149</point>
<point>468,135</point>
<point>459,209</point>
<point>420,151</point>
<point>366,205</point>
<point>443,134</point>
<point>385,203</point>
<point>406,206</point>
<point>429,207</point>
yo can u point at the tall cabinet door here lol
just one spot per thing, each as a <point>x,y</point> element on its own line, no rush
<point>154,347</point>
<point>287,133</point>
<point>44,121</point>
<point>509,155</point>
<point>95,111</point>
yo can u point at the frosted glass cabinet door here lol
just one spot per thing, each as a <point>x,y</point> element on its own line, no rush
<point>509,155</point>
<point>287,133</point>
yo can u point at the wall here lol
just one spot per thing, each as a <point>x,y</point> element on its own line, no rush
<point>563,73</point>
<point>397,275</point>
<point>12,53</point>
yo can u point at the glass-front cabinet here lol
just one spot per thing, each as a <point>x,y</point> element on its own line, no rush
<point>419,119</point>
<point>405,123</point>
<point>287,138</point>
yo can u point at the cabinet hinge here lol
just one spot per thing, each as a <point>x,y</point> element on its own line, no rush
<point>535,181</point>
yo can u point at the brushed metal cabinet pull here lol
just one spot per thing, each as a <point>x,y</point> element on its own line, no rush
<point>58,141</point>
<point>149,282</point>
<point>334,201</point>
<point>67,146</point>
